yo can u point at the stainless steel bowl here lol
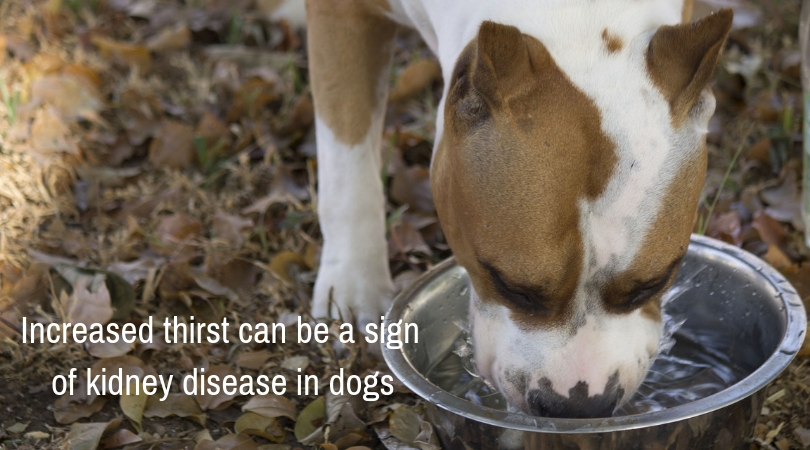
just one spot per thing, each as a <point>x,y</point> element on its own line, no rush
<point>730,291</point>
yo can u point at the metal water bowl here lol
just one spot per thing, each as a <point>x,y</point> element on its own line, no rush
<point>733,292</point>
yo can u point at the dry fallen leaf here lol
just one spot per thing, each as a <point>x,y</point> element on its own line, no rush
<point>230,228</point>
<point>49,134</point>
<point>415,78</point>
<point>411,186</point>
<point>180,405</point>
<point>258,425</point>
<point>108,349</point>
<point>229,442</point>
<point>769,229</point>
<point>173,146</point>
<point>89,303</point>
<point>271,406</point>
<point>120,438</point>
<point>252,360</point>
<point>222,399</point>
<point>171,38</point>
<point>86,436</point>
<point>72,95</point>
<point>280,264</point>
<point>66,411</point>
<point>133,403</point>
<point>174,232</point>
<point>310,419</point>
<point>129,54</point>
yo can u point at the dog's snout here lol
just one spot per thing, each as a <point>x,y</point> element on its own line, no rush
<point>546,402</point>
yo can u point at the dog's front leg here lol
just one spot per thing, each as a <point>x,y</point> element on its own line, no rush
<point>349,57</point>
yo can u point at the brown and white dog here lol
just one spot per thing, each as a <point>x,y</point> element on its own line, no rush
<point>569,158</point>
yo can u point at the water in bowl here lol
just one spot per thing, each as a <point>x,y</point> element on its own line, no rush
<point>690,369</point>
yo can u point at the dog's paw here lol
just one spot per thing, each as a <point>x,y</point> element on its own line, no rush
<point>355,291</point>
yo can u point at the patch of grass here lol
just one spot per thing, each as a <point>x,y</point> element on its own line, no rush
<point>11,100</point>
<point>703,220</point>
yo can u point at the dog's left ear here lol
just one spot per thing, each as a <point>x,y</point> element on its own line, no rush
<point>682,58</point>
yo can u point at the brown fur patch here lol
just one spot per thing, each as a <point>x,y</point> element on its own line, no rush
<point>663,246</point>
<point>349,44</point>
<point>681,60</point>
<point>612,42</point>
<point>522,145</point>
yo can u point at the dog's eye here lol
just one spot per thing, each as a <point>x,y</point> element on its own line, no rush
<point>643,293</point>
<point>522,298</point>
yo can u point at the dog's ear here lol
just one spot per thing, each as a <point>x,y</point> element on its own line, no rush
<point>682,58</point>
<point>499,64</point>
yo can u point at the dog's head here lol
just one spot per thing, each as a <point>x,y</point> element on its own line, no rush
<point>568,190</point>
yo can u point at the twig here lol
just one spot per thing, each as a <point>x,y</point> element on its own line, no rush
<point>705,223</point>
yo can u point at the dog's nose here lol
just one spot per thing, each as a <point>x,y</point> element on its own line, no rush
<point>545,402</point>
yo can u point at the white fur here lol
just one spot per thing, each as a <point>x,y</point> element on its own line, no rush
<point>650,152</point>
<point>351,208</point>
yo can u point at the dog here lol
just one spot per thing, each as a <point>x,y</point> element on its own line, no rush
<point>568,164</point>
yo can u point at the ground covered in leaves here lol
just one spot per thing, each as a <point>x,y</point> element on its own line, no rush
<point>157,158</point>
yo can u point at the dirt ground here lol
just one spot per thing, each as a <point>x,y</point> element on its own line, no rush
<point>157,158</point>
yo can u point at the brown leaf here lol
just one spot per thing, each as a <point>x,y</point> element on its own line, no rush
<point>174,233</point>
<point>120,438</point>
<point>310,419</point>
<point>128,54</point>
<point>258,425</point>
<point>108,349</point>
<point>252,360</point>
<point>777,258</point>
<point>73,94</point>
<point>140,113</point>
<point>237,274</point>
<point>280,263</point>
<point>769,229</point>
<point>213,130</point>
<point>176,37</point>
<point>271,406</point>
<point>220,400</point>
<point>760,152</point>
<point>229,442</point>
<point>49,134</point>
<point>414,78</point>
<point>230,227</point>
<point>300,117</point>
<point>86,436</point>
<point>173,147</point>
<point>88,303</point>
<point>128,365</point>
<point>180,405</point>
<point>132,405</point>
<point>411,186</point>
<point>799,277</point>
<point>405,424</point>
<point>67,411</point>
<point>251,98</point>
<point>405,239</point>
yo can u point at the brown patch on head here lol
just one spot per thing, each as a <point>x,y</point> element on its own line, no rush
<point>654,268</point>
<point>347,95</point>
<point>681,60</point>
<point>612,42</point>
<point>521,146</point>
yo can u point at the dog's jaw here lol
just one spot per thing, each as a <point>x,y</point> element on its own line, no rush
<point>607,355</point>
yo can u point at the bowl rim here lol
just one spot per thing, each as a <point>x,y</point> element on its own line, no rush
<point>789,345</point>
